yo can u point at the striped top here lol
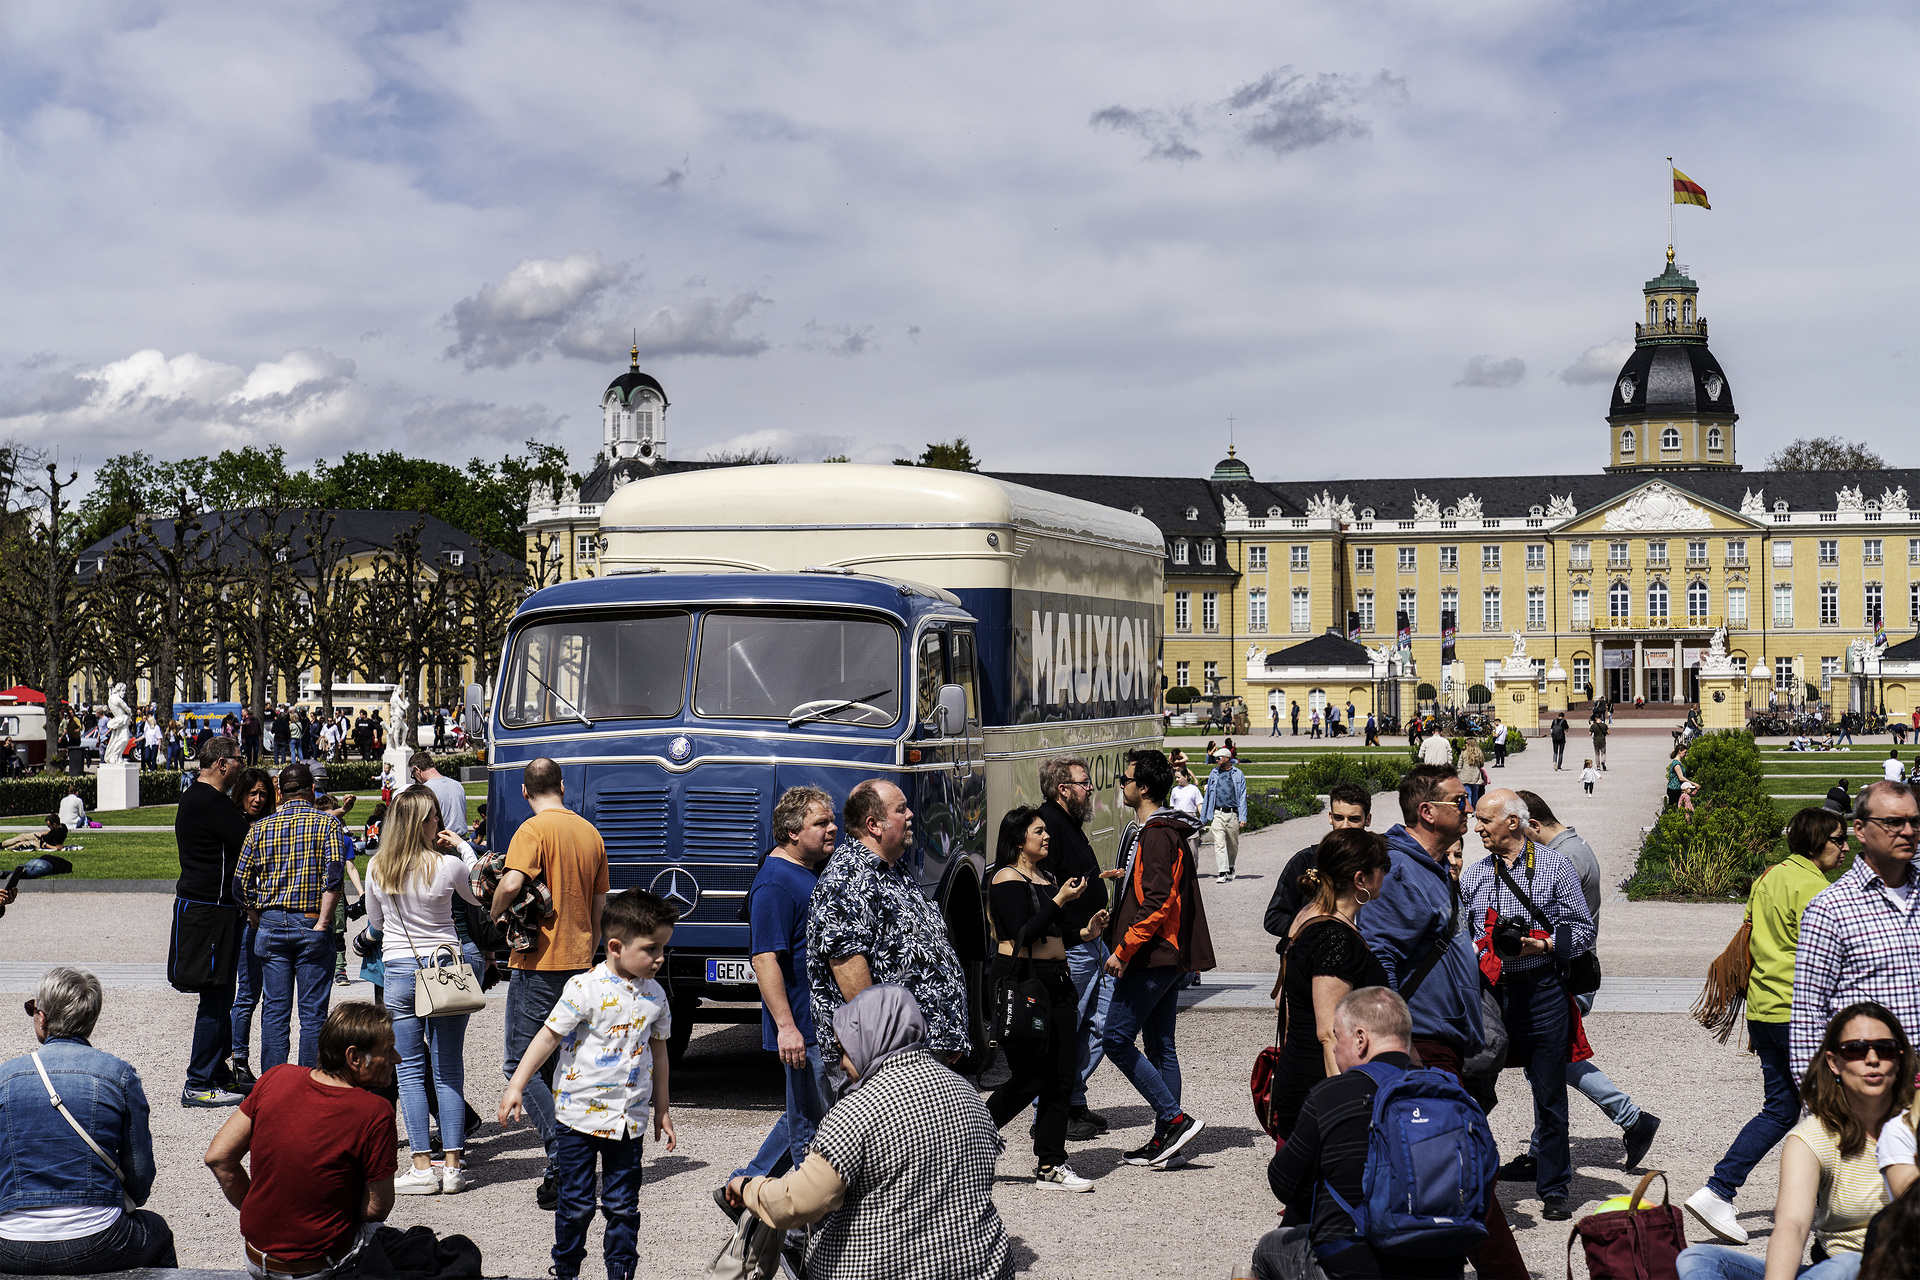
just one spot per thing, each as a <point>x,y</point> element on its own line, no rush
<point>1851,1189</point>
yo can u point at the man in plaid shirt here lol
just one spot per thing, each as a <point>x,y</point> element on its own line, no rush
<point>1532,998</point>
<point>288,879</point>
<point>1860,938</point>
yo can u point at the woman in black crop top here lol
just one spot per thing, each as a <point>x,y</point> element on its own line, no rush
<point>1024,904</point>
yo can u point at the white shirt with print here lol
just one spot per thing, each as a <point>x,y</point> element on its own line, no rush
<point>604,1078</point>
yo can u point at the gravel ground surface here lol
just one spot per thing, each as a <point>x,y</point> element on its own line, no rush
<point>1200,1220</point>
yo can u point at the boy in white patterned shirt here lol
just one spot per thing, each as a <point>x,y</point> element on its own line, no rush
<point>611,1027</point>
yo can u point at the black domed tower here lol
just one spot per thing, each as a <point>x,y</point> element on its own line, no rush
<point>633,421</point>
<point>1672,409</point>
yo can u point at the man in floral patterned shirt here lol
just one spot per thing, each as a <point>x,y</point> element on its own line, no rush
<point>870,923</point>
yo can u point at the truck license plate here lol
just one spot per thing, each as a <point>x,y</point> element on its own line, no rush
<point>730,972</point>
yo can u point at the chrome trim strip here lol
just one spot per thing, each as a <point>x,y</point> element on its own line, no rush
<point>671,767</point>
<point>771,735</point>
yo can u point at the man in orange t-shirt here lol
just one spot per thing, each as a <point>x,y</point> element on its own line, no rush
<point>560,847</point>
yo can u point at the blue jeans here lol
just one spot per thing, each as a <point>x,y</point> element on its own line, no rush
<point>1145,1002</point>
<point>1537,1025</point>
<point>1717,1262</point>
<point>246,994</point>
<point>411,1037</point>
<point>531,995</point>
<point>808,1101</point>
<point>573,1154</point>
<point>293,953</point>
<point>1778,1113</point>
<point>1603,1093</point>
<point>139,1238</point>
<point>1086,967</point>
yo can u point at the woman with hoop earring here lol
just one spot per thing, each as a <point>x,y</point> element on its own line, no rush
<point>1325,958</point>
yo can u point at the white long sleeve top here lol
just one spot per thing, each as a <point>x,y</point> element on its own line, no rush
<point>420,918</point>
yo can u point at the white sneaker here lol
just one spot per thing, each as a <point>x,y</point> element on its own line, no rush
<point>1060,1178</point>
<point>417,1182</point>
<point>454,1180</point>
<point>1225,877</point>
<point>1716,1215</point>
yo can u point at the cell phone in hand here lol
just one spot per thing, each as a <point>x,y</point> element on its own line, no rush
<point>13,882</point>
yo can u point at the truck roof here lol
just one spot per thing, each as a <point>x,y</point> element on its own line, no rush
<point>834,588</point>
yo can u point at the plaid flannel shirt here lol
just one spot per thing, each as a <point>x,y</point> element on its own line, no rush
<point>1553,885</point>
<point>1854,945</point>
<point>291,857</point>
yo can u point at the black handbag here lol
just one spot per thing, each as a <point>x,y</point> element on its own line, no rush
<point>1581,975</point>
<point>1021,1005</point>
<point>204,950</point>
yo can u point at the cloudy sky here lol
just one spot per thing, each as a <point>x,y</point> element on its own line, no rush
<point>1385,239</point>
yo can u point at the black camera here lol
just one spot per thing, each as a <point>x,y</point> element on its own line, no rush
<point>1508,933</point>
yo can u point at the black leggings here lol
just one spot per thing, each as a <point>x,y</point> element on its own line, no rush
<point>1043,1069</point>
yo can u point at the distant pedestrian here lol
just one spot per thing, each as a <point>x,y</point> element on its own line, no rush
<point>1598,728</point>
<point>1891,770</point>
<point>1588,775</point>
<point>1676,776</point>
<point>1436,750</point>
<point>1296,718</point>
<point>1499,743</point>
<point>451,794</point>
<point>1559,735</point>
<point>1314,723</point>
<point>254,792</point>
<point>202,952</point>
<point>1273,710</point>
<point>1473,771</point>
<point>1348,805</point>
<point>1225,812</point>
<point>1373,731</point>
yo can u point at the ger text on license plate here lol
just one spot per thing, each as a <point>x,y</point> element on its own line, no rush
<point>730,972</point>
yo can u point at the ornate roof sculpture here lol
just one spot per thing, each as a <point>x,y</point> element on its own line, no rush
<point>1468,508</point>
<point>1849,499</point>
<point>1657,507</point>
<point>1325,507</point>
<point>1425,508</point>
<point>1559,508</point>
<point>1754,504</point>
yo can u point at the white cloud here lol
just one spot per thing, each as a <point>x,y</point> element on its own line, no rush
<point>1491,371</point>
<point>1597,364</point>
<point>795,446</point>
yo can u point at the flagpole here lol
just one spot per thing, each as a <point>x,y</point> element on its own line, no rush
<point>1669,208</point>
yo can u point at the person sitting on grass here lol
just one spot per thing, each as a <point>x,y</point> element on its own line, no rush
<point>53,837</point>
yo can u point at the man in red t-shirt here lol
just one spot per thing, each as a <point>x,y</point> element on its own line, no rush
<point>322,1149</point>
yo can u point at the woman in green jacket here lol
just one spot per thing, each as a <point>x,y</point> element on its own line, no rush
<point>1817,843</point>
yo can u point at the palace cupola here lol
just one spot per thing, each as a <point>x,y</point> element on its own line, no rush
<point>1672,409</point>
<point>633,421</point>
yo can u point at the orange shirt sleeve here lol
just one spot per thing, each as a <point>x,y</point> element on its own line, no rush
<point>528,852</point>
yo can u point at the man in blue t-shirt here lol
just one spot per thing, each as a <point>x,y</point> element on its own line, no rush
<point>803,831</point>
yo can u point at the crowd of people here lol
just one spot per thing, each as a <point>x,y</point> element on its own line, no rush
<point>280,733</point>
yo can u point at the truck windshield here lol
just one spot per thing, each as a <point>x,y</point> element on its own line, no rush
<point>798,668</point>
<point>591,668</point>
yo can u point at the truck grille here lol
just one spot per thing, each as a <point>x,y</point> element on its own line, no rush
<point>633,823</point>
<point>721,824</point>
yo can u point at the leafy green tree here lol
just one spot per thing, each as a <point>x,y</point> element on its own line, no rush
<point>951,455</point>
<point>1825,453</point>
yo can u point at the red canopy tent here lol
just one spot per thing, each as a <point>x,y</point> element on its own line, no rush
<point>20,693</point>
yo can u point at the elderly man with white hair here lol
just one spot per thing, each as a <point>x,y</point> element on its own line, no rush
<point>75,1143</point>
<point>1535,894</point>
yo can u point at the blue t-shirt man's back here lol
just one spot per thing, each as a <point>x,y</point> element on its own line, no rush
<point>777,911</point>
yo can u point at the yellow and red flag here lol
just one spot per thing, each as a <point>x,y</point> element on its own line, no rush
<point>1687,191</point>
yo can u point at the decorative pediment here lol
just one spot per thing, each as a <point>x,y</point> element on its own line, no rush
<point>1425,508</point>
<point>1657,507</point>
<point>1559,508</point>
<point>1326,507</point>
<point>1754,504</point>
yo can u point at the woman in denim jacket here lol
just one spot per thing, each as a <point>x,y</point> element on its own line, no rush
<point>62,1209</point>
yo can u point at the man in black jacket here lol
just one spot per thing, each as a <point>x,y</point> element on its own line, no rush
<point>1329,1145</point>
<point>1348,805</point>
<point>1068,786</point>
<point>209,829</point>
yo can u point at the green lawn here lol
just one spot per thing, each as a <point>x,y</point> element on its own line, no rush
<point>136,855</point>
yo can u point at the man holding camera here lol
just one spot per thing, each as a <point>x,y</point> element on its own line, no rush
<point>1529,919</point>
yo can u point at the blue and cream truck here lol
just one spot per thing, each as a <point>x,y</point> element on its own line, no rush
<point>756,628</point>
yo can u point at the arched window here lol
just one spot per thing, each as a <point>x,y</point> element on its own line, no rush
<point>1619,600</point>
<point>1179,550</point>
<point>1713,438</point>
<point>1653,311</point>
<point>1317,700</point>
<point>1657,601</point>
<point>1696,601</point>
<point>1686,312</point>
<point>1672,311</point>
<point>1670,438</point>
<point>1193,513</point>
<point>1626,443</point>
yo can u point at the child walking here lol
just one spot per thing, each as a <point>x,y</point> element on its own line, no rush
<point>1588,775</point>
<point>611,1027</point>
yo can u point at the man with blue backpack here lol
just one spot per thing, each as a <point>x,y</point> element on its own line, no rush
<point>1390,1168</point>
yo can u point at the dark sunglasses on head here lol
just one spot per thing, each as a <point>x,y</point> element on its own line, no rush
<point>1857,1050</point>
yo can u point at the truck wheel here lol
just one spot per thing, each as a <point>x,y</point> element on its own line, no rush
<point>683,1012</point>
<point>979,1000</point>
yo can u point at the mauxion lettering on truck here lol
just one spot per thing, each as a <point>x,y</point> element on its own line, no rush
<point>1081,658</point>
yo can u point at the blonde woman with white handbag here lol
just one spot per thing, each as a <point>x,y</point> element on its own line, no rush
<point>410,886</point>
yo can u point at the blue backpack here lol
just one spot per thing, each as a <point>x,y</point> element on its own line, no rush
<point>1430,1168</point>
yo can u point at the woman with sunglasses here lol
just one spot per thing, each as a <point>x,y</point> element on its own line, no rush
<point>411,884</point>
<point>1830,1181</point>
<point>1816,845</point>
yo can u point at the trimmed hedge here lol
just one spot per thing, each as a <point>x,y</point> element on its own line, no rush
<point>1723,846</point>
<point>37,795</point>
<point>1311,779</point>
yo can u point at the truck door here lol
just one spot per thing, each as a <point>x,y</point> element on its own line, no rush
<point>971,828</point>
<point>941,761</point>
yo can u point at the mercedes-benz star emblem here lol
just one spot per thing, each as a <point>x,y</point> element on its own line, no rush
<point>677,887</point>
<point>680,748</point>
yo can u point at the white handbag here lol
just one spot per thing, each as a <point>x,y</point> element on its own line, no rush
<point>751,1252</point>
<point>445,986</point>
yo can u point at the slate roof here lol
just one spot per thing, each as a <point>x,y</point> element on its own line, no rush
<point>360,531</point>
<point>597,484</point>
<point>1325,650</point>
<point>1671,381</point>
<point>1906,651</point>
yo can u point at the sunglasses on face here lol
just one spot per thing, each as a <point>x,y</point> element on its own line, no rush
<point>33,1009</point>
<point>1125,779</point>
<point>1857,1050</point>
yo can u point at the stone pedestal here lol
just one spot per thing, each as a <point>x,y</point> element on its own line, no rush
<point>1723,701</point>
<point>1556,688</point>
<point>118,786</point>
<point>1516,700</point>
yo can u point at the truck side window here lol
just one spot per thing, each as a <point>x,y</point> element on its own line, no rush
<point>930,673</point>
<point>963,670</point>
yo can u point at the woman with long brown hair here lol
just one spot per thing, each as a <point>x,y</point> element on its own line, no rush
<point>1830,1182</point>
<point>1324,959</point>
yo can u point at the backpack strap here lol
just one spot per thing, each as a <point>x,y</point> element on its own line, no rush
<point>1384,1075</point>
<point>1411,983</point>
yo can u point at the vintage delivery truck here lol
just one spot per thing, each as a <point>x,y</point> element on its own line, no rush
<point>756,628</point>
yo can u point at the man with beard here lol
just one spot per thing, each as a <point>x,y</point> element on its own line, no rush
<point>1068,787</point>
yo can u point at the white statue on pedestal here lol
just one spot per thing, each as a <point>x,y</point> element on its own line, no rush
<point>119,725</point>
<point>1518,664</point>
<point>399,751</point>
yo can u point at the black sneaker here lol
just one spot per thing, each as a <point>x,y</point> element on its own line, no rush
<point>548,1196</point>
<point>1152,1150</point>
<point>1083,1116</point>
<point>1178,1135</point>
<point>243,1079</point>
<point>1640,1137</point>
<point>1522,1168</point>
<point>1556,1209</point>
<point>720,1198</point>
<point>1083,1130</point>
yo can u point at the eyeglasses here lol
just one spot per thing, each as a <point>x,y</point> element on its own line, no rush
<point>1857,1050</point>
<point>1125,778</point>
<point>33,1010</point>
<point>1083,784</point>
<point>1896,824</point>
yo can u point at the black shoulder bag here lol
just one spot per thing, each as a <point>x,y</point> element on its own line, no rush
<point>1582,973</point>
<point>1020,1001</point>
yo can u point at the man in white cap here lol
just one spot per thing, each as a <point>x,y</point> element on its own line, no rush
<point>1225,812</point>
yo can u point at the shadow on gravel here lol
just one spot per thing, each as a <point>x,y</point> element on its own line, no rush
<point>1019,1254</point>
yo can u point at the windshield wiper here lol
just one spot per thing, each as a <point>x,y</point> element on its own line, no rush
<point>834,708</point>
<point>561,698</point>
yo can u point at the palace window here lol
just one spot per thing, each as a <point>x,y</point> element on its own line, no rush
<point>1582,674</point>
<point>1829,551</point>
<point>1672,310</point>
<point>1363,559</point>
<point>1409,605</point>
<point>1619,601</point>
<point>1206,551</point>
<point>1782,604</point>
<point>1536,555</point>
<point>1870,550</point>
<point>1450,603</point>
<point>1913,550</point>
<point>1697,551</point>
<point>1736,550</point>
<point>1302,615</point>
<point>1696,602</point>
<point>1913,602</point>
<point>1210,677</point>
<point>1406,560</point>
<point>1656,555</point>
<point>1656,603</point>
<point>1209,610</point>
<point>1364,604</point>
<point>1616,555</point>
<point>1180,670</point>
<point>1490,555</point>
<point>1829,667</point>
<point>1829,604</point>
<point>1193,513</point>
<point>1579,555</point>
<point>1257,559</point>
<point>1670,438</point>
<point>1449,558</point>
<point>586,548</point>
<point>1783,554</point>
<point>1183,611</point>
<point>1783,675</point>
<point>1490,609</point>
<point>1736,606</point>
<point>1626,443</point>
<point>1714,439</point>
<point>1536,609</point>
<point>1179,550</point>
<point>1257,609</point>
<point>1297,558</point>
<point>1581,606</point>
<point>1875,601</point>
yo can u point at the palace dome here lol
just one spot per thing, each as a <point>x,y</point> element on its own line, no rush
<point>1680,380</point>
